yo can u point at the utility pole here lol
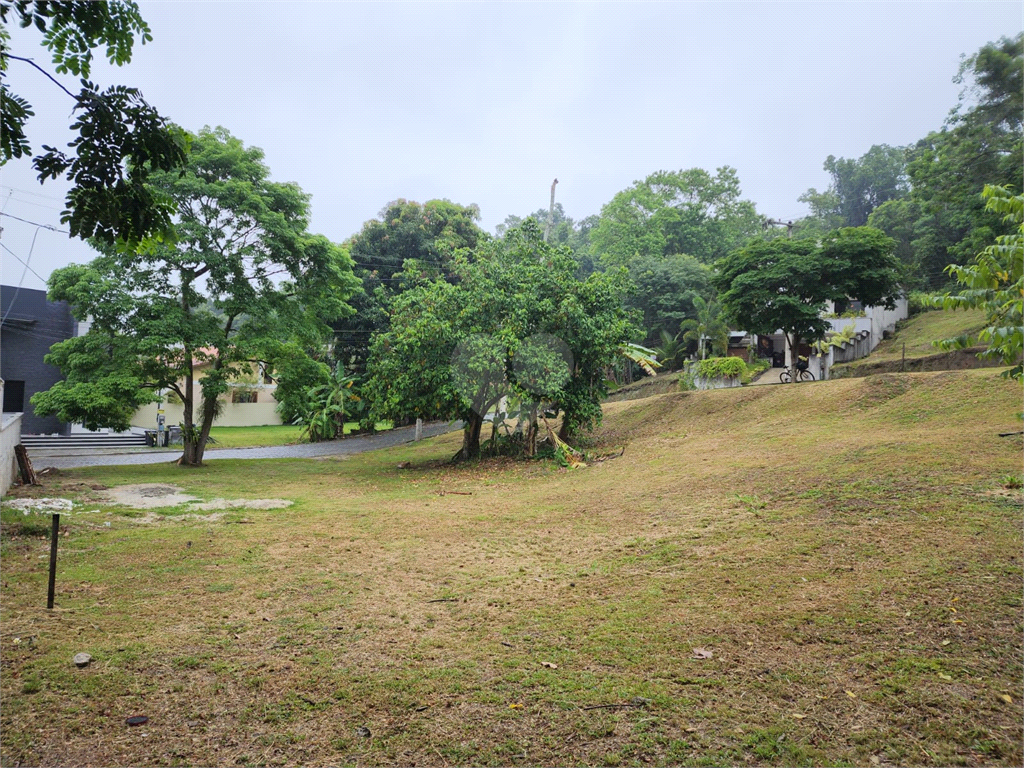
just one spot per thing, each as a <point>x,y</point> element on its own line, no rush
<point>551,212</point>
<point>789,225</point>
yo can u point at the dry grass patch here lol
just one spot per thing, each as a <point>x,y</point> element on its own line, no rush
<point>839,547</point>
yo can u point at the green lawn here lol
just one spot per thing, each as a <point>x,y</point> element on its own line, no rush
<point>253,437</point>
<point>849,552</point>
<point>919,331</point>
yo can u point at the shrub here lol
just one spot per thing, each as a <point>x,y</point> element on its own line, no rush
<point>721,367</point>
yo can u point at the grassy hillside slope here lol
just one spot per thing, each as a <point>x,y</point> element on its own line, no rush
<point>846,551</point>
<point>922,329</point>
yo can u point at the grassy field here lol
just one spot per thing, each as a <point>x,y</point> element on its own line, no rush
<point>922,329</point>
<point>252,437</point>
<point>282,434</point>
<point>827,574</point>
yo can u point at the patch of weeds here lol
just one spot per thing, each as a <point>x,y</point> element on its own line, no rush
<point>752,503</point>
<point>1012,482</point>
<point>16,523</point>
<point>32,684</point>
<point>219,587</point>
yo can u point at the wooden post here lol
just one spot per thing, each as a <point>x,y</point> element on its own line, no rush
<point>419,430</point>
<point>903,360</point>
<point>54,535</point>
<point>28,475</point>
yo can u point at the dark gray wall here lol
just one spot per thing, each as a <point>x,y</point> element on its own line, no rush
<point>31,327</point>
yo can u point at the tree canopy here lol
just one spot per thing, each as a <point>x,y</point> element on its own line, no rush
<point>453,349</point>
<point>858,187</point>
<point>429,234</point>
<point>784,284</point>
<point>669,212</point>
<point>120,138</point>
<point>944,220</point>
<point>994,282</point>
<point>242,276</point>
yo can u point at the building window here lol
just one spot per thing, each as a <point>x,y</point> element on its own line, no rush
<point>243,396</point>
<point>14,396</point>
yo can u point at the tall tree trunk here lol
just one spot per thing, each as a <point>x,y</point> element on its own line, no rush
<point>794,345</point>
<point>188,434</point>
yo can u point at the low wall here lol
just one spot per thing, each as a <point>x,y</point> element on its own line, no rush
<point>716,382</point>
<point>10,436</point>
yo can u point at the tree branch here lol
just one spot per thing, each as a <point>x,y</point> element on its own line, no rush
<point>55,80</point>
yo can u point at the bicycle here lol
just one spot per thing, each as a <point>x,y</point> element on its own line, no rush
<point>802,374</point>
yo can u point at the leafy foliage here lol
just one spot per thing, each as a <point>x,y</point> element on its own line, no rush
<point>944,220</point>
<point>453,350</point>
<point>429,234</point>
<point>329,406</point>
<point>665,291</point>
<point>858,187</point>
<point>784,284</point>
<point>720,367</point>
<point>688,211</point>
<point>209,299</point>
<point>120,138</point>
<point>708,326</point>
<point>994,282</point>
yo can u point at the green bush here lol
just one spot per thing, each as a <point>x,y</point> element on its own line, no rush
<point>721,367</point>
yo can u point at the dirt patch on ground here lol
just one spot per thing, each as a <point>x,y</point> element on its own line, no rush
<point>152,496</point>
<point>148,496</point>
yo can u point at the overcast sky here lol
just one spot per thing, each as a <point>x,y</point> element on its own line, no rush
<point>484,103</point>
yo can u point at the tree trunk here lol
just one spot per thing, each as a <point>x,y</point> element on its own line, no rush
<point>189,456</point>
<point>794,345</point>
<point>563,431</point>
<point>471,438</point>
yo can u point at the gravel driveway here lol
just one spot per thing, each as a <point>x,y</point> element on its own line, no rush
<point>305,450</point>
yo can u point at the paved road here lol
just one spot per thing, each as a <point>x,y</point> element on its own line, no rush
<point>306,450</point>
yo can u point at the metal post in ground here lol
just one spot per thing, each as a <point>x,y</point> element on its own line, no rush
<point>54,534</point>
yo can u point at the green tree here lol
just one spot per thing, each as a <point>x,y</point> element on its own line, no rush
<point>994,282</point>
<point>431,234</point>
<point>213,296</point>
<point>120,138</point>
<point>981,143</point>
<point>708,326</point>
<point>858,187</point>
<point>665,291</point>
<point>783,284</point>
<point>484,325</point>
<point>689,211</point>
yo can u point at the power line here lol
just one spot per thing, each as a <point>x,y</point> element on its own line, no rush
<point>23,262</point>
<point>23,273</point>
<point>35,223</point>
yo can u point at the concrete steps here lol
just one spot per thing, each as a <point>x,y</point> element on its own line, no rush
<point>58,444</point>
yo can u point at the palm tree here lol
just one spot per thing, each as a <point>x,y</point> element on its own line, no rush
<point>708,326</point>
<point>672,351</point>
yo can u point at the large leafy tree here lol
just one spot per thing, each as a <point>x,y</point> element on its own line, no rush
<point>688,211</point>
<point>242,275</point>
<point>994,282</point>
<point>120,138</point>
<point>783,284</point>
<point>945,221</point>
<point>429,234</point>
<point>453,349</point>
<point>858,187</point>
<point>665,291</point>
